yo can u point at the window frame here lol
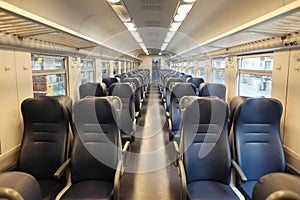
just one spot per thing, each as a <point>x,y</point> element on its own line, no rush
<point>201,68</point>
<point>93,69</point>
<point>255,72</point>
<point>63,71</point>
<point>217,69</point>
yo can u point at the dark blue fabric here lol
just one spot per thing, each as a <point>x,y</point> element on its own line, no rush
<point>44,143</point>
<point>168,84</point>
<point>211,190</point>
<point>92,89</point>
<point>205,145</point>
<point>177,92</point>
<point>23,183</point>
<point>247,188</point>
<point>257,138</point>
<point>274,182</point>
<point>213,90</point>
<point>196,82</point>
<point>91,190</point>
<point>125,92</point>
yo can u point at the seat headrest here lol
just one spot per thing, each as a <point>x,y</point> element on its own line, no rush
<point>259,110</point>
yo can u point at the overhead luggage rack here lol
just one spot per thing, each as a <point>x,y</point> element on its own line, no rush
<point>24,30</point>
<point>21,27</point>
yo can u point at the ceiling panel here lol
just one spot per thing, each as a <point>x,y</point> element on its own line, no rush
<point>278,26</point>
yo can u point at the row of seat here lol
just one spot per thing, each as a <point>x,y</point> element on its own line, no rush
<point>201,126</point>
<point>173,88</point>
<point>95,154</point>
<point>204,156</point>
<point>44,149</point>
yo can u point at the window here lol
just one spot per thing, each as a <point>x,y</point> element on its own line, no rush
<point>49,75</point>
<point>115,67</point>
<point>191,68</point>
<point>255,76</point>
<point>104,69</point>
<point>87,71</point>
<point>218,71</point>
<point>201,68</point>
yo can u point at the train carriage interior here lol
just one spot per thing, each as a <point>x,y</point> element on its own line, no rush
<point>149,99</point>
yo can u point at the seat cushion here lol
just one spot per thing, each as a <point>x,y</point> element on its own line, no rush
<point>210,190</point>
<point>50,188</point>
<point>25,184</point>
<point>247,188</point>
<point>89,190</point>
<point>274,182</point>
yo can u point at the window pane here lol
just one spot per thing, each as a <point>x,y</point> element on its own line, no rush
<point>218,63</point>
<point>50,85</point>
<point>255,85</point>
<point>87,71</point>
<point>218,77</point>
<point>191,71</point>
<point>86,64</point>
<point>257,63</point>
<point>201,72</point>
<point>104,69</point>
<point>47,63</point>
<point>87,77</point>
<point>201,63</point>
<point>115,67</point>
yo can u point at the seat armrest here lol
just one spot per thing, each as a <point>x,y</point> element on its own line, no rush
<point>292,170</point>
<point>169,125</point>
<point>168,115</point>
<point>239,171</point>
<point>126,147</point>
<point>183,180</point>
<point>63,167</point>
<point>177,153</point>
<point>134,126</point>
<point>10,193</point>
<point>136,115</point>
<point>283,194</point>
<point>117,181</point>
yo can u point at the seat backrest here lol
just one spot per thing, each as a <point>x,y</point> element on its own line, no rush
<point>45,137</point>
<point>235,102</point>
<point>256,129</point>
<point>196,81</point>
<point>213,89</point>
<point>108,81</point>
<point>92,90</point>
<point>167,95</point>
<point>177,92</point>
<point>138,93</point>
<point>95,151</point>
<point>125,91</point>
<point>204,139</point>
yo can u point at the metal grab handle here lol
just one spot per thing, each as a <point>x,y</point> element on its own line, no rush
<point>283,195</point>
<point>10,194</point>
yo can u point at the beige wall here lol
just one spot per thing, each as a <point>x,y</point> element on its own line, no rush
<point>15,86</point>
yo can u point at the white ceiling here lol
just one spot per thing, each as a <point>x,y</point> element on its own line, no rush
<point>198,34</point>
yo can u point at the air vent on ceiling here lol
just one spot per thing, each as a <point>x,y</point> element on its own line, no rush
<point>152,24</point>
<point>151,5</point>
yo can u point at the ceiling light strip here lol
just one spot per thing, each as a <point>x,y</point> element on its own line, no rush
<point>120,9</point>
<point>182,10</point>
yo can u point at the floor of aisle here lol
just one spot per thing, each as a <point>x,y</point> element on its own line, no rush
<point>150,173</point>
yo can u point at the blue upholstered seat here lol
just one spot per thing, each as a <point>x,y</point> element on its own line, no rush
<point>204,147</point>
<point>256,129</point>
